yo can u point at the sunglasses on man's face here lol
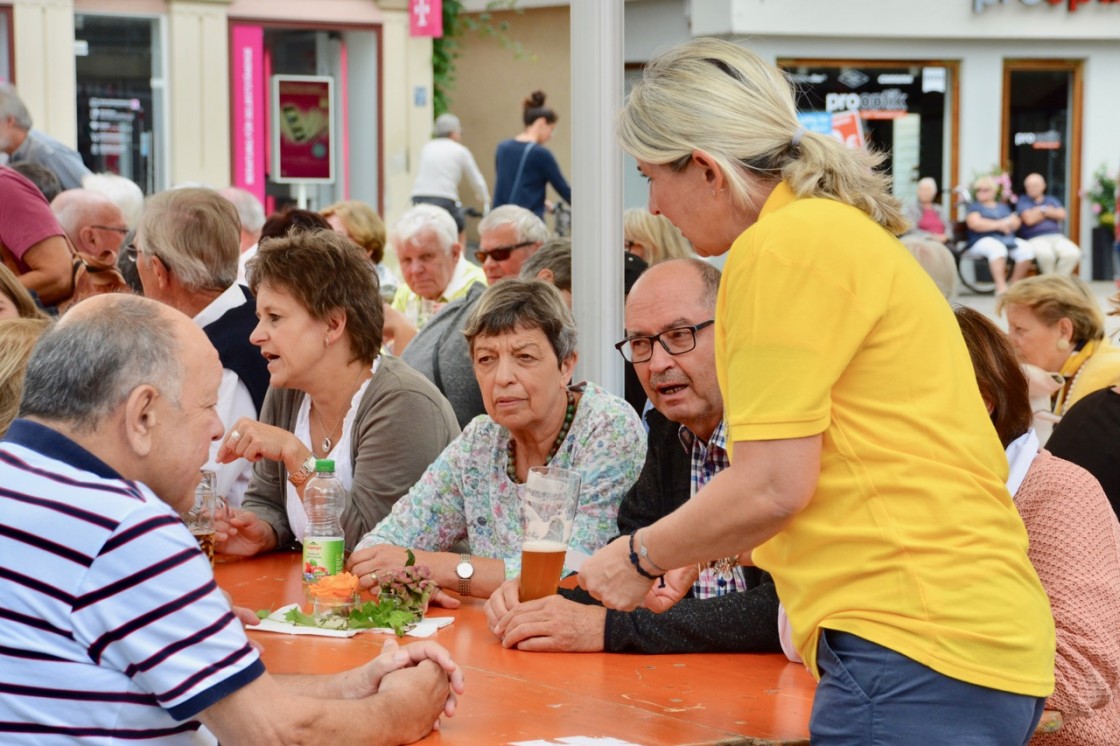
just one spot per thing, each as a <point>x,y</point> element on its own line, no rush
<point>500,253</point>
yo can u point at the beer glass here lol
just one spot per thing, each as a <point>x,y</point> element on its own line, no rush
<point>548,509</point>
<point>200,519</point>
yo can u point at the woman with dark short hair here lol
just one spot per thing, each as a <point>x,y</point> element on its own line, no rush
<point>332,394</point>
<point>522,342</point>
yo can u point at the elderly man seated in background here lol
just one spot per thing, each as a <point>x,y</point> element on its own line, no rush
<point>186,253</point>
<point>671,343</point>
<point>1042,218</point>
<point>432,264</point>
<point>113,625</point>
<point>507,237</point>
<point>94,223</point>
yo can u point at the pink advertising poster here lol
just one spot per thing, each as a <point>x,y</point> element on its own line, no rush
<point>303,129</point>
<point>249,127</point>
<point>425,18</point>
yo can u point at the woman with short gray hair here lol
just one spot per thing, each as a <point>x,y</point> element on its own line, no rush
<point>523,347</point>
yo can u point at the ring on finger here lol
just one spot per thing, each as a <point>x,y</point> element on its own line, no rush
<point>235,436</point>
<point>373,578</point>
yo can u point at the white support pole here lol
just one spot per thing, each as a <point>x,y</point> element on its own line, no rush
<point>597,251</point>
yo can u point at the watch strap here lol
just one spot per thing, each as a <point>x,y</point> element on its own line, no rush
<point>465,582</point>
<point>301,475</point>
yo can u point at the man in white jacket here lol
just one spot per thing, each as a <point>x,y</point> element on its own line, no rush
<point>443,163</point>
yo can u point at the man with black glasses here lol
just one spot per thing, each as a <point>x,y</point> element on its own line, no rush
<point>508,236</point>
<point>670,341</point>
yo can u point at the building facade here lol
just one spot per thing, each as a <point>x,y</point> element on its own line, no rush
<point>169,92</point>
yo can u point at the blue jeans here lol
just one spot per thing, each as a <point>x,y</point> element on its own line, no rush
<point>871,696</point>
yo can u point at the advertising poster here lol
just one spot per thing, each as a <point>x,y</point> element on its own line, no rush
<point>247,60</point>
<point>303,131</point>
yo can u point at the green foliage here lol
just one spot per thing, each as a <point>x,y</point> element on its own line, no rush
<point>456,24</point>
<point>1102,196</point>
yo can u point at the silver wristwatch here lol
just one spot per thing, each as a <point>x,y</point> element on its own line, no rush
<point>305,471</point>
<point>464,571</point>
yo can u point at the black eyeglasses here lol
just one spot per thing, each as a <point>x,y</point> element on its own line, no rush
<point>501,253</point>
<point>133,252</point>
<point>675,341</point>
<point>122,231</point>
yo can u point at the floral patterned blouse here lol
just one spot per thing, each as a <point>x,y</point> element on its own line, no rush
<point>466,493</point>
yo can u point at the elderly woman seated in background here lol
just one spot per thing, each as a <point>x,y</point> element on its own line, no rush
<point>361,224</point>
<point>332,395</point>
<point>652,238</point>
<point>523,346</point>
<point>17,338</point>
<point>991,234</point>
<point>1074,546</point>
<point>1056,324</point>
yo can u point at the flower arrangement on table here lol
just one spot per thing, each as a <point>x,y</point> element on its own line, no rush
<point>1101,194</point>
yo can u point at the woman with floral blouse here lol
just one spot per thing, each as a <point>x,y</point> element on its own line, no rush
<point>522,342</point>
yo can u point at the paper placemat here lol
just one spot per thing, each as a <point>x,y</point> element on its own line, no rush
<point>275,622</point>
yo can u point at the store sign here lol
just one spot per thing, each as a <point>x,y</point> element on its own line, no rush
<point>303,130</point>
<point>979,6</point>
<point>425,18</point>
<point>1049,140</point>
<point>249,127</point>
<point>845,126</point>
<point>111,124</point>
<point>888,104</point>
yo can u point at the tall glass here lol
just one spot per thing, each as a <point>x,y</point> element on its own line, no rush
<point>548,510</point>
<point>200,519</point>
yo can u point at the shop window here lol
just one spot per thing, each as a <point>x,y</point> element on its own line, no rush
<point>903,109</point>
<point>121,105</point>
<point>1042,130</point>
<point>6,43</point>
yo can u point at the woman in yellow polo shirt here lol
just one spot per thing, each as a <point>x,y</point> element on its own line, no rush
<point>865,474</point>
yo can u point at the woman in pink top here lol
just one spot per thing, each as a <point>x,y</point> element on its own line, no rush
<point>1074,547</point>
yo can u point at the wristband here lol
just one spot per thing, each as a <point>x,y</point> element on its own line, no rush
<point>645,555</point>
<point>637,564</point>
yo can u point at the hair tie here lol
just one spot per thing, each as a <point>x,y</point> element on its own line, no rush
<point>795,141</point>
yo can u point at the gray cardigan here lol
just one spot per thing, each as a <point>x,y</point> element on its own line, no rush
<point>401,425</point>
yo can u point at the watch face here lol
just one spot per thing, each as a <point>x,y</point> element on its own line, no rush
<point>464,570</point>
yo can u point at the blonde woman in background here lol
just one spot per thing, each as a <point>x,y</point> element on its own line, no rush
<point>15,301</point>
<point>17,339</point>
<point>653,238</point>
<point>874,498</point>
<point>361,224</point>
<point>1056,324</point>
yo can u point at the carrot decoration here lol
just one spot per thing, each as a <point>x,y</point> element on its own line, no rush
<point>342,585</point>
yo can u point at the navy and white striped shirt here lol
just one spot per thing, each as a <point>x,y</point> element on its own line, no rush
<point>111,625</point>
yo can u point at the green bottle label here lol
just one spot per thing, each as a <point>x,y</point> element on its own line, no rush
<point>322,556</point>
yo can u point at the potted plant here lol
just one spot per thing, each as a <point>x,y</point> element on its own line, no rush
<point>1101,195</point>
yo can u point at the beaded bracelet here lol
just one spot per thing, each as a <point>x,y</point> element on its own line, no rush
<point>638,565</point>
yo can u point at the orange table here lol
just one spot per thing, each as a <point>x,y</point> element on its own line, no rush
<point>514,696</point>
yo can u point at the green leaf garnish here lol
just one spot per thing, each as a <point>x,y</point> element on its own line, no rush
<point>411,558</point>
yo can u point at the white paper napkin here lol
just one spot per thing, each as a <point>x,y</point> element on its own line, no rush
<point>275,622</point>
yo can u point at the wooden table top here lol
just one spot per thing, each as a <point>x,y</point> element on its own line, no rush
<point>514,696</point>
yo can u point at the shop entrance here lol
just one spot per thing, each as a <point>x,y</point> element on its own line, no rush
<point>121,97</point>
<point>1042,129</point>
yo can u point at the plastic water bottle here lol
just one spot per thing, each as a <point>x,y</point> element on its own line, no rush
<point>323,542</point>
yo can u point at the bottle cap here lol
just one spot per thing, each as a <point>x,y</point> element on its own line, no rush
<point>324,464</point>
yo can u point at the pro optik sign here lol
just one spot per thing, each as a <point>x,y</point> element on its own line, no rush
<point>979,6</point>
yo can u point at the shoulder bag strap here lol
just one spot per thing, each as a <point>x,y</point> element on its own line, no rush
<point>520,169</point>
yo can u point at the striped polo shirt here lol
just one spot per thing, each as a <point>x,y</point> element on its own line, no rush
<point>111,625</point>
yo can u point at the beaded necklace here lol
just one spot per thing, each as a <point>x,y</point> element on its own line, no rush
<point>511,448</point>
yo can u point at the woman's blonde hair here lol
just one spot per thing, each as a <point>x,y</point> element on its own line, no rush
<point>365,226</point>
<point>1052,298</point>
<point>662,239</point>
<point>18,295</point>
<point>715,96</point>
<point>17,339</point>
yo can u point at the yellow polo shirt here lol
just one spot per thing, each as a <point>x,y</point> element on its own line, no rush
<point>826,325</point>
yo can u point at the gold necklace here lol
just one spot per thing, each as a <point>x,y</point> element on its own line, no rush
<point>326,443</point>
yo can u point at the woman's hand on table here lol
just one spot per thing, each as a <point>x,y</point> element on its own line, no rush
<point>610,578</point>
<point>242,533</point>
<point>253,441</point>
<point>383,558</point>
